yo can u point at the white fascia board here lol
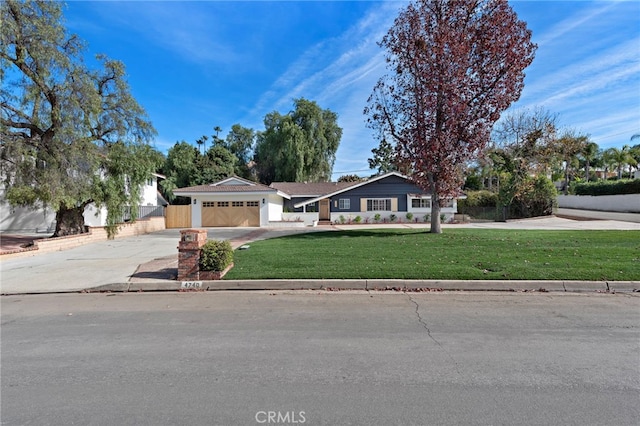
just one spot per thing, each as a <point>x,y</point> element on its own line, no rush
<point>234,178</point>
<point>283,195</point>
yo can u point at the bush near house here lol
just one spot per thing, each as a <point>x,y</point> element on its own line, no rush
<point>618,187</point>
<point>216,256</point>
<point>479,204</point>
<point>536,197</point>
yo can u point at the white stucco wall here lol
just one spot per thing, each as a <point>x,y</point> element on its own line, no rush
<point>94,216</point>
<point>306,218</point>
<point>149,193</point>
<point>629,203</point>
<point>196,210</point>
<point>23,219</point>
<point>274,209</point>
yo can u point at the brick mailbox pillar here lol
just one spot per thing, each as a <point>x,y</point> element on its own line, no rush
<point>191,241</point>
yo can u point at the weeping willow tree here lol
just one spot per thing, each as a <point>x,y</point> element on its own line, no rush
<point>71,135</point>
<point>298,146</point>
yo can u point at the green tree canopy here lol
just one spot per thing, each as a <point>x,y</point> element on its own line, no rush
<point>351,178</point>
<point>70,135</point>
<point>384,158</point>
<point>240,142</point>
<point>185,166</point>
<point>298,146</point>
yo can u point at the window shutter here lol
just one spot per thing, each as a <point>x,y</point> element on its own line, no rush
<point>363,204</point>
<point>394,204</point>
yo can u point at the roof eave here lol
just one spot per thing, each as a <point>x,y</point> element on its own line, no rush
<point>349,188</point>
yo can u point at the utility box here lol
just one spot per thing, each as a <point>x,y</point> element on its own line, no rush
<point>191,241</point>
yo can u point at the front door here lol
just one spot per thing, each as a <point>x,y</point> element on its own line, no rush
<point>325,211</point>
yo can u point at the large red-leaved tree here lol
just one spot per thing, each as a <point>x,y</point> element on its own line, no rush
<point>454,66</point>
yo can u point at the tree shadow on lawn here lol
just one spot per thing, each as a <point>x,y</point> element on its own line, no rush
<point>379,233</point>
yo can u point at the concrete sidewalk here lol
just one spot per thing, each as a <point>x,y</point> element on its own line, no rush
<point>149,263</point>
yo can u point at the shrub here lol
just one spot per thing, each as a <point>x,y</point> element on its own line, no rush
<point>536,197</point>
<point>341,219</point>
<point>409,216</point>
<point>358,219</point>
<point>473,183</point>
<point>427,218</point>
<point>477,199</point>
<point>376,217</point>
<point>393,217</point>
<point>618,187</point>
<point>443,217</point>
<point>216,255</point>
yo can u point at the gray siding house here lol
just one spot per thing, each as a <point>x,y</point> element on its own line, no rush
<point>384,197</point>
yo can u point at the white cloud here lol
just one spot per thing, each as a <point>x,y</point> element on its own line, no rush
<point>575,21</point>
<point>339,74</point>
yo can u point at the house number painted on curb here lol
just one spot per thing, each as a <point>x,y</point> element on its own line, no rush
<point>191,284</point>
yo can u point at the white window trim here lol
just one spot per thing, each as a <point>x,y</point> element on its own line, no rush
<point>385,200</point>
<point>410,207</point>
<point>344,203</point>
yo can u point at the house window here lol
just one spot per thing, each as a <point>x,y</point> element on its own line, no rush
<point>344,203</point>
<point>420,203</point>
<point>379,204</point>
<point>446,203</point>
<point>237,204</point>
<point>253,203</point>
<point>208,204</point>
<point>223,204</point>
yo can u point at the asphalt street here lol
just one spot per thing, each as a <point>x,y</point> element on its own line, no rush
<point>320,358</point>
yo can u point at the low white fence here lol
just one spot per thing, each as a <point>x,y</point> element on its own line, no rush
<point>628,203</point>
<point>307,218</point>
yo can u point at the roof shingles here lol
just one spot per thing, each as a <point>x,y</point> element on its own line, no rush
<point>310,189</point>
<point>225,188</point>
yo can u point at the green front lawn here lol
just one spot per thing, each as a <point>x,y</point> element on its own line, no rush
<point>454,254</point>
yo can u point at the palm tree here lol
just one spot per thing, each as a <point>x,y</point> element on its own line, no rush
<point>620,157</point>
<point>569,146</point>
<point>589,153</point>
<point>217,129</point>
<point>202,143</point>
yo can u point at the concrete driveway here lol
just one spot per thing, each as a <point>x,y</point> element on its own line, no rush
<point>144,257</point>
<point>153,257</point>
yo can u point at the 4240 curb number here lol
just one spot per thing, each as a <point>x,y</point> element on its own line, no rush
<point>191,284</point>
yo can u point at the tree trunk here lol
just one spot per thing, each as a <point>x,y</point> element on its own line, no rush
<point>586,171</point>
<point>69,222</point>
<point>435,215</point>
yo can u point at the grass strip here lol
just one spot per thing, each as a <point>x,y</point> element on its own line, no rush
<point>467,254</point>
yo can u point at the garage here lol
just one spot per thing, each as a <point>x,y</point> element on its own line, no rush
<point>230,213</point>
<point>233,202</point>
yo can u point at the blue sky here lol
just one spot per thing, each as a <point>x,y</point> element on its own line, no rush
<point>194,65</point>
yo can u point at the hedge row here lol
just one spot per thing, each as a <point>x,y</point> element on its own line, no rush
<point>618,187</point>
<point>478,199</point>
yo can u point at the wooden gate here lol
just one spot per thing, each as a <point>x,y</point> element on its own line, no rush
<point>178,217</point>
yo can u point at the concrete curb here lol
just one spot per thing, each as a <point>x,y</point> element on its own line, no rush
<point>365,285</point>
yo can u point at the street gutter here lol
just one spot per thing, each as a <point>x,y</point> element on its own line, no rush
<point>365,285</point>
